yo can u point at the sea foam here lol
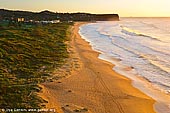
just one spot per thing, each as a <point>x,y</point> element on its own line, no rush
<point>137,50</point>
<point>141,45</point>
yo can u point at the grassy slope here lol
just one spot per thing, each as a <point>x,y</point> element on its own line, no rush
<point>27,56</point>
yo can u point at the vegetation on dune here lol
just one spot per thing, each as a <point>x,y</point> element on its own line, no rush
<point>28,54</point>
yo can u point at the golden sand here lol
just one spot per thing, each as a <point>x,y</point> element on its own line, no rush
<point>94,87</point>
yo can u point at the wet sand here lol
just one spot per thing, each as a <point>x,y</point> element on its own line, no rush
<point>93,87</point>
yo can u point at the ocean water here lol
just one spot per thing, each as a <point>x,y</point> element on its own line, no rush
<point>136,46</point>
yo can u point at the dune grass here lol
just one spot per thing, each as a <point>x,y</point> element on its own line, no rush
<point>28,55</point>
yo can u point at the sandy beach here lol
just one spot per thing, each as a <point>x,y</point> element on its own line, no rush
<point>93,87</point>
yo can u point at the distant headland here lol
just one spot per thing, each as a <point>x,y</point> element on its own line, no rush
<point>49,16</point>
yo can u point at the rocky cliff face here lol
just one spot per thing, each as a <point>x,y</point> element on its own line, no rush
<point>107,17</point>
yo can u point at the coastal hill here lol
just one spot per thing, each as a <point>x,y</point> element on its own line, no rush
<point>48,15</point>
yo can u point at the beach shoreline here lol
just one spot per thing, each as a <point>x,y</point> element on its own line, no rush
<point>95,87</point>
<point>162,98</point>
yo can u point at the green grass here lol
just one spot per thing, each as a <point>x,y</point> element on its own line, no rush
<point>28,55</point>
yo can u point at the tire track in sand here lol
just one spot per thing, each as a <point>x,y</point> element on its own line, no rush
<point>100,80</point>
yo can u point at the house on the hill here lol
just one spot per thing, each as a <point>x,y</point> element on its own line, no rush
<point>55,21</point>
<point>52,22</point>
<point>20,19</point>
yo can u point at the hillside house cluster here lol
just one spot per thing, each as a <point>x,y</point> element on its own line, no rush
<point>52,17</point>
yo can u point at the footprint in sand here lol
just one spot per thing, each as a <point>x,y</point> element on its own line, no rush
<point>69,91</point>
